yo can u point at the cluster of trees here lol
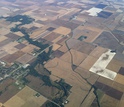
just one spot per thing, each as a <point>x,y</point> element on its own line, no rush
<point>24,19</point>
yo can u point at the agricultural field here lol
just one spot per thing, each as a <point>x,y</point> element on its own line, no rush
<point>61,53</point>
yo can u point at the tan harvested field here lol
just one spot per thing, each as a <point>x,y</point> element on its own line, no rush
<point>38,24</point>
<point>105,81</point>
<point>12,36</point>
<point>88,62</point>
<point>114,61</point>
<point>11,45</point>
<point>19,33</point>
<point>118,86</point>
<point>2,53</point>
<point>9,48</point>
<point>72,57</point>
<point>62,69</point>
<point>98,51</point>
<point>25,58</point>
<point>84,47</point>
<point>28,49</point>
<point>91,77</point>
<point>113,67</point>
<point>62,30</point>
<point>84,63</point>
<point>90,98</point>
<point>20,46</point>
<point>108,101</point>
<point>11,58</point>
<point>2,38</point>
<point>74,43</point>
<point>91,35</point>
<point>54,78</point>
<point>26,98</point>
<point>57,39</point>
<point>76,80</point>
<point>51,36</point>
<point>38,85</point>
<point>59,68</point>
<point>63,48</point>
<point>119,78</point>
<point>76,98</point>
<point>90,28</point>
<point>79,89</point>
<point>55,47</point>
<point>62,41</point>
<point>36,33</point>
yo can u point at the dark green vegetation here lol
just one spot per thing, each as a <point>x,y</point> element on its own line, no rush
<point>20,18</point>
<point>44,56</point>
<point>81,38</point>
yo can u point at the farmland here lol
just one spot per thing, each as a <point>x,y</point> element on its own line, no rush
<point>61,53</point>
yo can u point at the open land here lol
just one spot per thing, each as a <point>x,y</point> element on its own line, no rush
<point>61,53</point>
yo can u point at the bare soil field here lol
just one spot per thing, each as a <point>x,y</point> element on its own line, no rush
<point>38,85</point>
<point>4,42</point>
<point>114,61</point>
<point>12,36</point>
<point>71,25</point>
<point>11,58</point>
<point>91,77</point>
<point>57,53</point>
<point>75,60</point>
<point>25,58</point>
<point>27,49</point>
<point>19,34</point>
<point>59,68</point>
<point>105,81</point>
<point>84,47</point>
<point>3,53</point>
<point>121,102</point>
<point>51,36</point>
<point>108,101</point>
<point>107,40</point>
<point>63,48</point>
<point>9,48</point>
<point>10,92</point>
<point>72,42</point>
<point>112,92</point>
<point>121,71</point>
<point>2,38</point>
<point>25,98</point>
<point>20,46</point>
<point>90,34</point>
<point>113,67</point>
<point>98,51</point>
<point>62,41</point>
<point>88,62</point>
<point>117,86</point>
<point>36,33</point>
<point>55,47</point>
<point>120,78</point>
<point>62,30</point>
<point>76,98</point>
<point>90,98</point>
